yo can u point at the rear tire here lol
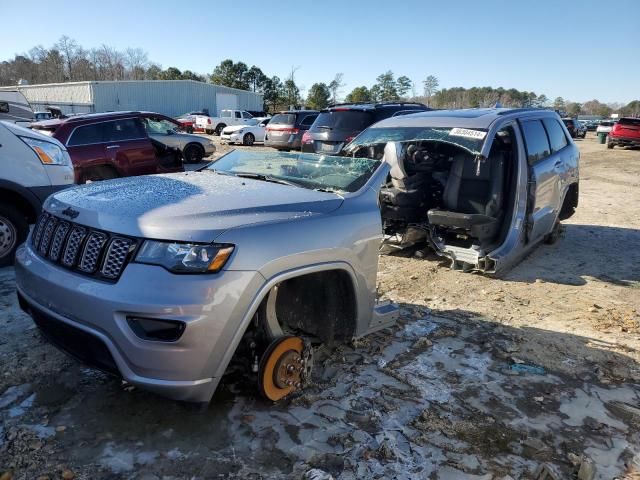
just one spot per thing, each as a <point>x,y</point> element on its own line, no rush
<point>14,229</point>
<point>189,129</point>
<point>193,153</point>
<point>219,128</point>
<point>248,139</point>
<point>208,131</point>
<point>610,146</point>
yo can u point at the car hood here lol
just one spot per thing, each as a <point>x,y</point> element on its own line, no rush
<point>192,206</point>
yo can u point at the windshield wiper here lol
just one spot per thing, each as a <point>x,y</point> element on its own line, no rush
<point>326,190</point>
<point>262,177</point>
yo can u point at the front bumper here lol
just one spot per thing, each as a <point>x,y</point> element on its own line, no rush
<point>231,138</point>
<point>624,141</point>
<point>94,312</point>
<point>292,142</point>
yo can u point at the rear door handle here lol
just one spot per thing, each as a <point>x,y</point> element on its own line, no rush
<point>112,146</point>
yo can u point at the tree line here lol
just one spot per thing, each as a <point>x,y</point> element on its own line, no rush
<point>67,61</point>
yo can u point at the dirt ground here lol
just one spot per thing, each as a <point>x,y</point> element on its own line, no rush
<point>534,373</point>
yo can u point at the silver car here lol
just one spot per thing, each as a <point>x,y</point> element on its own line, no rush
<point>166,130</point>
<point>162,279</point>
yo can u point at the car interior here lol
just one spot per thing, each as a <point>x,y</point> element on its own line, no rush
<point>444,194</point>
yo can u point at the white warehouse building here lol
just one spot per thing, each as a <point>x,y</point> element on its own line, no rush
<point>169,97</point>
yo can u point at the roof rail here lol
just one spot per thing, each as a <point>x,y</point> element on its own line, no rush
<point>374,104</point>
<point>509,111</point>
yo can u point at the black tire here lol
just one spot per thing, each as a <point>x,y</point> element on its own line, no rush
<point>189,129</point>
<point>610,146</point>
<point>283,149</point>
<point>193,153</point>
<point>13,231</point>
<point>248,139</point>
<point>219,128</point>
<point>98,174</point>
<point>208,132</point>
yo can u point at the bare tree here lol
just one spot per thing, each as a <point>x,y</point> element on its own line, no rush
<point>136,61</point>
<point>431,85</point>
<point>335,85</point>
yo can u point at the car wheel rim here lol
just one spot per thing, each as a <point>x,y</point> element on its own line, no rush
<point>8,236</point>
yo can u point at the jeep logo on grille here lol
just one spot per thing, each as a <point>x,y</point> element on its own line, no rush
<point>70,212</point>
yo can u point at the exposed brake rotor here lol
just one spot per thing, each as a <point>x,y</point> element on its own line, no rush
<point>285,367</point>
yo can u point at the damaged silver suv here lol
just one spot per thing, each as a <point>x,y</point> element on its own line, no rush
<point>262,255</point>
<point>479,186</point>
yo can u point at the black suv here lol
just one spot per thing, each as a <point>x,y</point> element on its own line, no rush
<point>338,124</point>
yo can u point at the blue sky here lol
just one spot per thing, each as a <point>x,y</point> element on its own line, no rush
<point>579,49</point>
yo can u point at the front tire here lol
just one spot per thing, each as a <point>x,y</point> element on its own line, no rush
<point>219,128</point>
<point>13,231</point>
<point>248,139</point>
<point>193,154</point>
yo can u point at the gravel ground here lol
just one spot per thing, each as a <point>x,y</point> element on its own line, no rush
<point>482,378</point>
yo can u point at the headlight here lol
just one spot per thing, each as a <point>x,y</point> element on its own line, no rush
<point>185,257</point>
<point>48,153</point>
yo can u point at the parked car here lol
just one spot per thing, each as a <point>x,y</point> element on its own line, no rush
<point>14,107</point>
<point>575,128</point>
<point>187,121</point>
<point>262,255</point>
<point>103,146</point>
<point>246,135</point>
<point>39,116</point>
<point>605,127</point>
<point>339,124</point>
<point>590,125</point>
<point>32,166</point>
<point>215,125</point>
<point>625,133</point>
<point>167,131</point>
<point>465,187</point>
<point>285,130</point>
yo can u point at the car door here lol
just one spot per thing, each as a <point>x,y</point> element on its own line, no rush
<point>86,148</point>
<point>260,130</point>
<point>129,148</point>
<point>163,131</point>
<point>544,180</point>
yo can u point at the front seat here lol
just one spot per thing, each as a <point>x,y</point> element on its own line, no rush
<point>404,197</point>
<point>473,196</point>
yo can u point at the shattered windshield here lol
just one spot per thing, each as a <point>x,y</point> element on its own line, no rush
<point>306,170</point>
<point>469,139</point>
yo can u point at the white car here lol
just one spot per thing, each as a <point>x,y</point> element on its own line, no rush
<point>605,127</point>
<point>32,166</point>
<point>246,135</point>
<point>227,118</point>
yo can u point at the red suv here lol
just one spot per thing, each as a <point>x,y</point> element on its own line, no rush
<point>110,145</point>
<point>625,133</point>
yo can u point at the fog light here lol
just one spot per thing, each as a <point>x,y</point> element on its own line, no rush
<point>158,330</point>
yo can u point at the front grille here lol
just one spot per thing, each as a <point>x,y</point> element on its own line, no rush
<point>87,251</point>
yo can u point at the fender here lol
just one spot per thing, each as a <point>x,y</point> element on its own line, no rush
<point>262,293</point>
<point>23,192</point>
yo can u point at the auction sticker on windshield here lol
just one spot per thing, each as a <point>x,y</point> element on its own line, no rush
<point>465,132</point>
